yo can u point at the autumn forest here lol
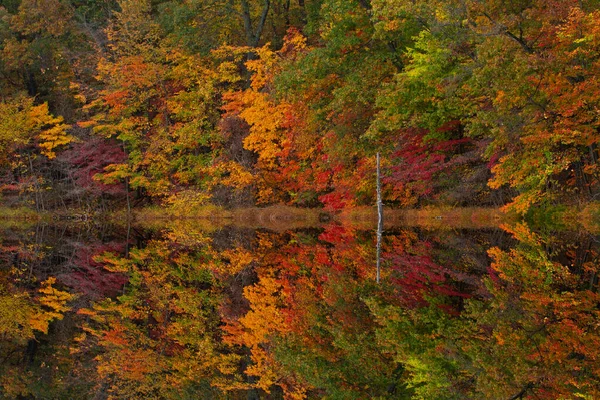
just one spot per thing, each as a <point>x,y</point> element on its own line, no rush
<point>188,191</point>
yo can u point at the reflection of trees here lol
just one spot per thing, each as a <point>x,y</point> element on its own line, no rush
<point>311,326</point>
<point>38,264</point>
<point>160,339</point>
<point>524,326</point>
<point>535,334</point>
<point>299,314</point>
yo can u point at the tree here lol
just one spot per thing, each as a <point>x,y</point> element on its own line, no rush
<point>22,122</point>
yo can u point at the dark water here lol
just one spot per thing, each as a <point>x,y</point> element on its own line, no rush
<point>190,310</point>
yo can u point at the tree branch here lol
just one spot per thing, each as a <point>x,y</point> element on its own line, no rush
<point>522,392</point>
<point>504,30</point>
<point>521,42</point>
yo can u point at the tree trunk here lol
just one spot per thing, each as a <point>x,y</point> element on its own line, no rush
<point>253,34</point>
<point>379,220</point>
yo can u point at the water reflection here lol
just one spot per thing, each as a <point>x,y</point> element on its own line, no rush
<point>184,310</point>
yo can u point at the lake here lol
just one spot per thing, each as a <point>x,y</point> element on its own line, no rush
<point>279,303</point>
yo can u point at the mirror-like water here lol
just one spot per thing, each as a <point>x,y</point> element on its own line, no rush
<point>190,310</point>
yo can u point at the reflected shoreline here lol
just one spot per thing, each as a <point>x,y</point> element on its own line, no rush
<point>278,218</point>
<point>292,294</point>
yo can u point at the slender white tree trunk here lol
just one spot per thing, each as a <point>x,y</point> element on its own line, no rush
<point>379,220</point>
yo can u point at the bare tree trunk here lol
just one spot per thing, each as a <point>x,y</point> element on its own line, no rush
<point>379,220</point>
<point>128,199</point>
<point>35,185</point>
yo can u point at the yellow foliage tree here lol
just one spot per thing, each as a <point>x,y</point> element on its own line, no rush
<point>21,122</point>
<point>50,131</point>
<point>54,305</point>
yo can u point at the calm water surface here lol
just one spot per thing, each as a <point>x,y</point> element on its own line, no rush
<point>190,310</point>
